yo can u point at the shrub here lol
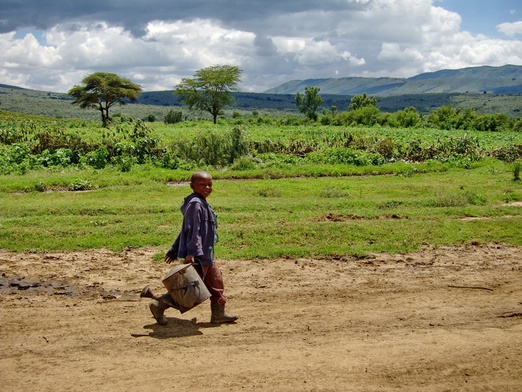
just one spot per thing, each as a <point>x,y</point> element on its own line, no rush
<point>150,118</point>
<point>80,185</point>
<point>244,163</point>
<point>517,125</point>
<point>40,186</point>
<point>98,158</point>
<point>173,117</point>
<point>348,156</point>
<point>508,153</point>
<point>442,117</point>
<point>516,170</point>
<point>366,115</point>
<point>212,148</point>
<point>56,138</point>
<point>492,122</point>
<point>124,163</point>
<point>14,153</point>
<point>386,147</point>
<point>406,118</point>
<point>60,157</point>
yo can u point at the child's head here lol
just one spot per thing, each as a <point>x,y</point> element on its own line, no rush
<point>201,183</point>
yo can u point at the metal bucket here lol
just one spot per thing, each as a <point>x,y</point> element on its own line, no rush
<point>185,286</point>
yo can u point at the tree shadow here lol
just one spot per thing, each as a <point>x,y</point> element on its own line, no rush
<point>175,328</point>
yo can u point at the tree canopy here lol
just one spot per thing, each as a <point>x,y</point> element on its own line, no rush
<point>102,91</point>
<point>210,89</point>
<point>361,101</point>
<point>309,102</point>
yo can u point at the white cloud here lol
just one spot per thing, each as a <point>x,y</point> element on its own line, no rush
<point>26,52</point>
<point>511,29</point>
<point>352,60</point>
<point>301,40</point>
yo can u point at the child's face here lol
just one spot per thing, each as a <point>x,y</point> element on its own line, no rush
<point>202,186</point>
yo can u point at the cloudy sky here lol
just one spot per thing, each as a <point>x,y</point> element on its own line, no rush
<point>52,45</point>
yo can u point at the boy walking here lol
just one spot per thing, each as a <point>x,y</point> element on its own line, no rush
<point>195,244</point>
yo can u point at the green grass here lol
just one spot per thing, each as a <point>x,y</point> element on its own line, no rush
<point>286,206</point>
<point>319,133</point>
<point>266,217</point>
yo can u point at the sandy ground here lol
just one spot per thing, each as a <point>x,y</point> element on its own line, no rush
<point>438,320</point>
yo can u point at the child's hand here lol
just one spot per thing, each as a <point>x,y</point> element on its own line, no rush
<point>189,259</point>
<point>171,256</point>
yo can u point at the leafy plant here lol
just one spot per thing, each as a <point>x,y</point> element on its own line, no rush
<point>173,116</point>
<point>80,185</point>
<point>212,148</point>
<point>516,170</point>
<point>98,158</point>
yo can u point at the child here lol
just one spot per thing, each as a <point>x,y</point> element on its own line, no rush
<point>195,244</point>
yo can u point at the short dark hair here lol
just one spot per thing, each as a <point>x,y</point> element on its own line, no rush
<point>200,174</point>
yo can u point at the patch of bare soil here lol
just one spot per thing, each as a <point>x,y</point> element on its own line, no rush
<point>438,320</point>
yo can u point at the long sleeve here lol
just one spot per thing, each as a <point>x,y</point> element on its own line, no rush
<point>192,228</point>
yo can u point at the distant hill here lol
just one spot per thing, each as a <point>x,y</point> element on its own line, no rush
<point>6,86</point>
<point>286,102</point>
<point>483,89</point>
<point>506,79</point>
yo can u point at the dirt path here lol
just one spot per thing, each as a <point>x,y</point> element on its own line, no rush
<point>438,320</point>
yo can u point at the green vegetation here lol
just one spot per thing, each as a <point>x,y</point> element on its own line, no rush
<point>309,102</point>
<point>284,144</point>
<point>210,89</point>
<point>264,218</point>
<point>354,179</point>
<point>159,103</point>
<point>102,91</point>
<point>304,189</point>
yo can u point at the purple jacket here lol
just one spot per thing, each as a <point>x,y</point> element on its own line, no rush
<point>198,231</point>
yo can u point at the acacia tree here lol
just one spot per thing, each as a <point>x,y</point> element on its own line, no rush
<point>309,102</point>
<point>210,89</point>
<point>102,91</point>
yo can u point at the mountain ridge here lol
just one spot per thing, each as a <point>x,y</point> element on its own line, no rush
<point>506,79</point>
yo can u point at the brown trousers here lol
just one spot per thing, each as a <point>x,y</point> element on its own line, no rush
<point>213,279</point>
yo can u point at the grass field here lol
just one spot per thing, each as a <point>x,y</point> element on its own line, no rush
<point>267,218</point>
<point>296,191</point>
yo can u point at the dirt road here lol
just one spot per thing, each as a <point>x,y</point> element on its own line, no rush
<point>438,320</point>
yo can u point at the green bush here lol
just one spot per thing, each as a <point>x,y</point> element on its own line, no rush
<point>516,170</point>
<point>492,123</point>
<point>150,118</point>
<point>367,115</point>
<point>98,159</point>
<point>212,148</point>
<point>347,156</point>
<point>243,163</point>
<point>59,157</point>
<point>173,117</point>
<point>406,118</point>
<point>80,185</point>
